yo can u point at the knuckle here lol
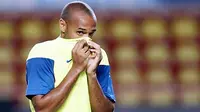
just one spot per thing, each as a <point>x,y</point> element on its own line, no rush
<point>76,53</point>
<point>80,54</point>
<point>83,55</point>
<point>98,46</point>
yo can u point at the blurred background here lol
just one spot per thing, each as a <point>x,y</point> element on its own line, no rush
<point>153,48</point>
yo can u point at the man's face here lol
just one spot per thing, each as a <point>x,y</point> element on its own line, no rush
<point>80,25</point>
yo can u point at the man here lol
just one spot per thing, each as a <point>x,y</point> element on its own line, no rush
<point>70,73</point>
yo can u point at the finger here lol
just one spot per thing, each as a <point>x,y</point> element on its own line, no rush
<point>95,51</point>
<point>76,46</point>
<point>87,53</point>
<point>93,45</point>
<point>85,48</point>
<point>92,53</point>
<point>81,44</point>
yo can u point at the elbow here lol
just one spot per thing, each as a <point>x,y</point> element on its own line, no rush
<point>42,105</point>
<point>41,109</point>
<point>110,108</point>
<point>38,107</point>
<point>44,108</point>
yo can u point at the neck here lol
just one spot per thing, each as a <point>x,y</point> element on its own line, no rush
<point>63,35</point>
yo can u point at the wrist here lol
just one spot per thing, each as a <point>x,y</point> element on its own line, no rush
<point>91,74</point>
<point>78,70</point>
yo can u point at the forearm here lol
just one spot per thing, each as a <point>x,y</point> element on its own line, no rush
<point>55,98</point>
<point>98,100</point>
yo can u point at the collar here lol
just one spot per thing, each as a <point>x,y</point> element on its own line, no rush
<point>72,40</point>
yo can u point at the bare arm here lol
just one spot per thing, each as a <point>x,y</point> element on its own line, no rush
<point>55,98</point>
<point>99,102</point>
<point>52,100</point>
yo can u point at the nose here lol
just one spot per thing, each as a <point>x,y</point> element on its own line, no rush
<point>86,35</point>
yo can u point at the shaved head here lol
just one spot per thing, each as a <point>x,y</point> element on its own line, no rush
<point>76,6</point>
<point>77,20</point>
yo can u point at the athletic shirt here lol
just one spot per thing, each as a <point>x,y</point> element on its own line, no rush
<point>47,65</point>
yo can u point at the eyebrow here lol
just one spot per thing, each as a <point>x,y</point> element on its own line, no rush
<point>93,30</point>
<point>82,29</point>
<point>85,29</point>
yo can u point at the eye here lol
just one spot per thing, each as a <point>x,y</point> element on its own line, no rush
<point>80,33</point>
<point>91,34</point>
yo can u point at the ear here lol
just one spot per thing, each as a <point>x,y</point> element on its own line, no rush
<point>63,25</point>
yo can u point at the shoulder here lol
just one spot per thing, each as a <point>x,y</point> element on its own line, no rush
<point>43,49</point>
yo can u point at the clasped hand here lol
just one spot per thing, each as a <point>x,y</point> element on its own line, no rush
<point>86,56</point>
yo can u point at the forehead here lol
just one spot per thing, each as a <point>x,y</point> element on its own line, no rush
<point>83,20</point>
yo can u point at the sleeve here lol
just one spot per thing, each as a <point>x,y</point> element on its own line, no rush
<point>39,76</point>
<point>104,78</point>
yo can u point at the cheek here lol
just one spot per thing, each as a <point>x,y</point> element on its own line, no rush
<point>71,33</point>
